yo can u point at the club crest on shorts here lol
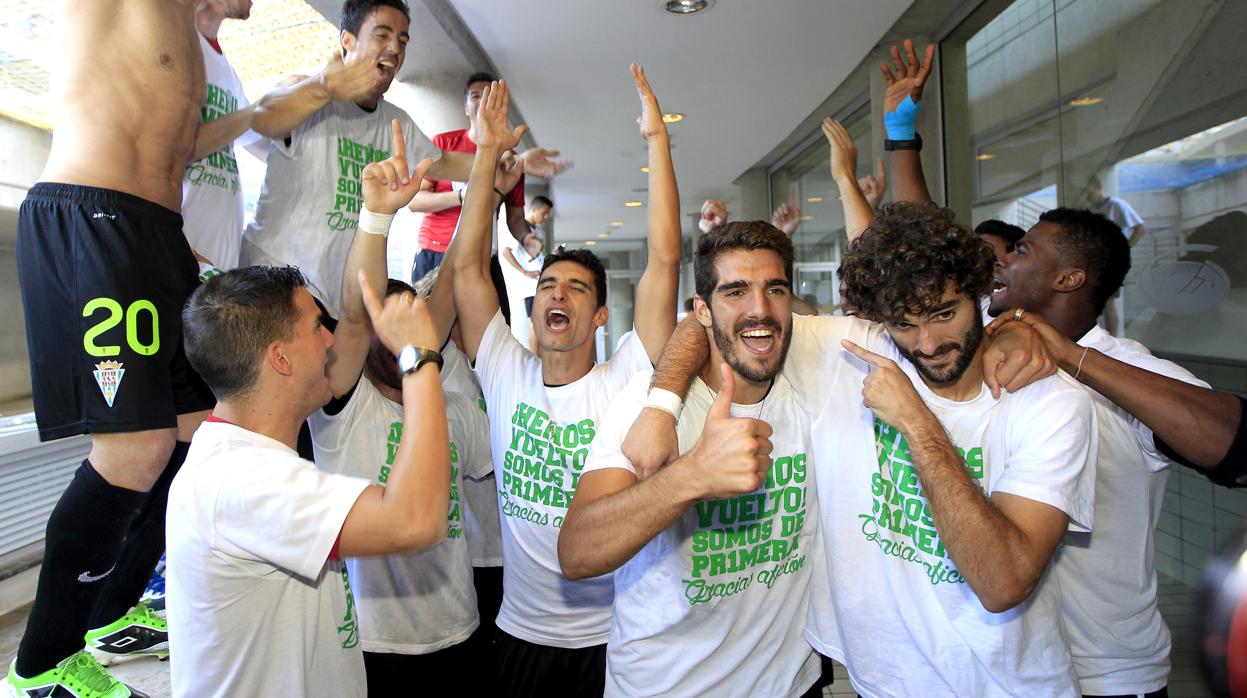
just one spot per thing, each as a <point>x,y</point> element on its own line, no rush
<point>108,376</point>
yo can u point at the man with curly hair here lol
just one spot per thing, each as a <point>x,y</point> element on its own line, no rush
<point>940,504</point>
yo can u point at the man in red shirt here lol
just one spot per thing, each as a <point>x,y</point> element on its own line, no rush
<point>440,201</point>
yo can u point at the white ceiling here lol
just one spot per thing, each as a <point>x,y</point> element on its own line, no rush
<point>745,74</point>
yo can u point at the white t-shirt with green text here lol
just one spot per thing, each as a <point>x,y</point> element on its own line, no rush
<point>1108,580</point>
<point>540,437</point>
<point>480,495</point>
<point>256,607</point>
<point>414,603</point>
<point>716,603</point>
<point>308,209</point>
<point>887,599</point>
<point>212,200</point>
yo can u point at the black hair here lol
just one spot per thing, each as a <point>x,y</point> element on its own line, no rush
<point>540,200</point>
<point>480,76</point>
<point>737,235</point>
<point>1096,245</point>
<point>354,12</point>
<point>1005,231</point>
<point>904,260</point>
<point>230,320</point>
<point>586,259</point>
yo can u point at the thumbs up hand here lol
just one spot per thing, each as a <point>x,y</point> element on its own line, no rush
<point>732,457</point>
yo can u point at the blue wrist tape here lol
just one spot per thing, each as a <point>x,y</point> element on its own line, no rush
<point>900,123</point>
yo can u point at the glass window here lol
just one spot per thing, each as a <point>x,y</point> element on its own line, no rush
<point>1132,108</point>
<point>820,239</point>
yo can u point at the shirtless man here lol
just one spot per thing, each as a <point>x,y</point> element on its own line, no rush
<point>100,239</point>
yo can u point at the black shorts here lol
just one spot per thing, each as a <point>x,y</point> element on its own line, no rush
<point>104,276</point>
<point>526,670</point>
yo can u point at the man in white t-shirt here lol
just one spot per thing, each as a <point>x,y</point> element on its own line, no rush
<point>1066,268</point>
<point>940,505</point>
<point>417,610</point>
<point>545,410</point>
<point>259,601</point>
<point>330,127</point>
<point>713,554</point>
<point>212,197</point>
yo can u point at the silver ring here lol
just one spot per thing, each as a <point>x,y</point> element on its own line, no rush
<point>1017,314</point>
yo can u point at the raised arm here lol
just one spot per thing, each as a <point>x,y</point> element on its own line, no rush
<point>651,442</point>
<point>387,187</point>
<point>612,516</point>
<point>901,103</point>
<point>858,213</point>
<point>1002,545</point>
<point>220,132</point>
<point>475,299</point>
<point>282,109</point>
<point>659,284</point>
<point>409,513</point>
<point>1198,423</point>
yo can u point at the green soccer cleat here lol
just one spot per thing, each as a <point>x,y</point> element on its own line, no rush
<point>79,676</point>
<point>139,633</point>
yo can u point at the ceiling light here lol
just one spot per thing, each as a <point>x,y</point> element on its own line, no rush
<point>590,243</point>
<point>616,224</point>
<point>604,234</point>
<point>982,157</point>
<point>645,170</point>
<point>815,199</point>
<point>672,118</point>
<point>685,7</point>
<point>632,204</point>
<point>807,218</point>
<point>1085,101</point>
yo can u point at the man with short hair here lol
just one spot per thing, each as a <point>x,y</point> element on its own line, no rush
<point>545,410</point>
<point>1066,269</point>
<point>259,601</point>
<point>940,504</point>
<point>212,197</point>
<point>713,573</point>
<point>1000,235</point>
<point>441,201</point>
<point>417,610</point>
<point>328,128</point>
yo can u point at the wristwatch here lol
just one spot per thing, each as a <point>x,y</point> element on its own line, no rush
<point>914,144</point>
<point>410,359</point>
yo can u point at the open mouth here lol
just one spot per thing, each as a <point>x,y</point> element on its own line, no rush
<point>998,286</point>
<point>557,320</point>
<point>759,340</point>
<point>387,66</point>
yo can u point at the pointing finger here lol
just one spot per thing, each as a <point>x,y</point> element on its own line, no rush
<point>865,354</point>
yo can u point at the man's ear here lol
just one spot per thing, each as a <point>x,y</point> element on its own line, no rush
<point>275,356</point>
<point>601,316</point>
<point>701,311</point>
<point>347,40</point>
<point>1070,280</point>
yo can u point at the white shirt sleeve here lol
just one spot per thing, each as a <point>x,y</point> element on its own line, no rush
<point>1052,444</point>
<point>606,451</point>
<point>469,429</point>
<point>285,512</point>
<point>1125,215</point>
<point>499,356</point>
<point>627,361</point>
<point>418,145</point>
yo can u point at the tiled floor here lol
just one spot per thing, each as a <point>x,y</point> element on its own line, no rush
<point>1178,603</point>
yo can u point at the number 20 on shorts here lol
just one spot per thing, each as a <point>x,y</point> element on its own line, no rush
<point>135,313</point>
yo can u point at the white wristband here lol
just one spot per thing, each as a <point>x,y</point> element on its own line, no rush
<point>664,400</point>
<point>374,223</point>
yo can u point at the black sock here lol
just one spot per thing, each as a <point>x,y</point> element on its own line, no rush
<point>84,537</point>
<point>145,543</point>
